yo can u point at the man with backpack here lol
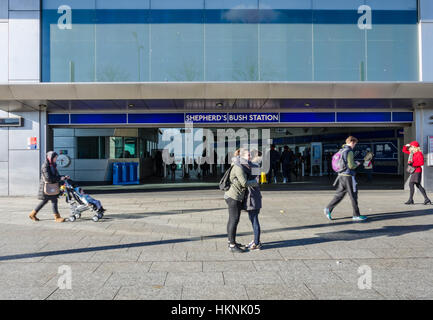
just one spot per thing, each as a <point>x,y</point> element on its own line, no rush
<point>344,164</point>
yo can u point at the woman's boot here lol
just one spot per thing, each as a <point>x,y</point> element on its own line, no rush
<point>33,216</point>
<point>58,218</point>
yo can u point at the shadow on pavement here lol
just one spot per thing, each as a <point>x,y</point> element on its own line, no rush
<point>347,235</point>
<point>138,215</point>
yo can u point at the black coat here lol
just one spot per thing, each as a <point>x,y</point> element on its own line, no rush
<point>253,197</point>
<point>50,177</point>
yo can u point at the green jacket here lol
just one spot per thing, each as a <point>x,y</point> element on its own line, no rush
<point>239,183</point>
<point>351,164</point>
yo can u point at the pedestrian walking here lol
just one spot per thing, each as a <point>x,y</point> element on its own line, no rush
<point>234,196</point>
<point>368,164</point>
<point>49,187</point>
<point>415,163</point>
<point>287,161</point>
<point>253,201</point>
<point>274,157</point>
<point>345,181</point>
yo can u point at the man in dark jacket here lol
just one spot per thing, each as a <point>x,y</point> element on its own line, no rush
<point>287,161</point>
<point>49,175</point>
<point>346,182</point>
<point>274,157</point>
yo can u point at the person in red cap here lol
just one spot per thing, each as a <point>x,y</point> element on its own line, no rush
<point>415,163</point>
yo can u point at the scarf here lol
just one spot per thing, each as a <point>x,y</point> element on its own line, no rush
<point>410,157</point>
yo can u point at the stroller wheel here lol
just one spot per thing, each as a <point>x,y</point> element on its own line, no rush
<point>72,218</point>
<point>100,215</point>
<point>78,215</point>
<point>95,218</point>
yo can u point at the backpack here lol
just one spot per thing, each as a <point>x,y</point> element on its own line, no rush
<point>338,163</point>
<point>224,184</point>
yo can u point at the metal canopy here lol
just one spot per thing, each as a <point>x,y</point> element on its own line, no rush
<point>213,95</point>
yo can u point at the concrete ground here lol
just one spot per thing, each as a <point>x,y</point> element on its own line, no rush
<point>173,245</point>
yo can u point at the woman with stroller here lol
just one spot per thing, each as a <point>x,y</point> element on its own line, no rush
<point>415,162</point>
<point>253,199</point>
<point>49,175</point>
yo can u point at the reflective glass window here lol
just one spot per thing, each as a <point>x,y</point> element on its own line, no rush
<point>230,40</point>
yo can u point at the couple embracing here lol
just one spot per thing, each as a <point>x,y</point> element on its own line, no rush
<point>243,194</point>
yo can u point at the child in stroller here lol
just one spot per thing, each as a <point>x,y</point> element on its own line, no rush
<point>79,202</point>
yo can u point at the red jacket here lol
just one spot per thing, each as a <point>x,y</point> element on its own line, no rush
<point>417,160</point>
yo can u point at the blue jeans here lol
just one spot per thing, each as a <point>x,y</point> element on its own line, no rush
<point>254,218</point>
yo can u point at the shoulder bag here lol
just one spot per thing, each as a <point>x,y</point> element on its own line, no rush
<point>51,189</point>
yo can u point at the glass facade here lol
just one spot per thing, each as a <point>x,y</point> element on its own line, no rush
<point>229,40</point>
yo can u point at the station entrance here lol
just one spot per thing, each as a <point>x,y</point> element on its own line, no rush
<point>92,151</point>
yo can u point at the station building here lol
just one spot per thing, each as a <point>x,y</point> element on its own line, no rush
<point>100,81</point>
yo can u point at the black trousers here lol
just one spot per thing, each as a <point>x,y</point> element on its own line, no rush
<point>345,185</point>
<point>235,208</point>
<point>273,172</point>
<point>415,180</point>
<point>54,202</point>
<point>287,170</point>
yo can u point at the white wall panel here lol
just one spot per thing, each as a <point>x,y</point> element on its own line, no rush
<point>24,46</point>
<point>4,53</point>
<point>4,179</point>
<point>23,172</point>
<point>18,137</point>
<point>4,144</point>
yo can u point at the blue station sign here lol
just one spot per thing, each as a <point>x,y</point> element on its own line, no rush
<point>232,117</point>
<point>229,117</point>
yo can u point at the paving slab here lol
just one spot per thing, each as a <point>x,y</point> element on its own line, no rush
<point>119,279</point>
<point>173,245</point>
<point>195,278</point>
<point>149,292</point>
<point>245,278</point>
<point>278,292</point>
<point>214,292</point>
<point>85,293</point>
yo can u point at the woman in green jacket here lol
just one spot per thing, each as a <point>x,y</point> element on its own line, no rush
<point>235,195</point>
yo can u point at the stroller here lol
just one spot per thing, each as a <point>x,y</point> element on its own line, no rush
<point>79,203</point>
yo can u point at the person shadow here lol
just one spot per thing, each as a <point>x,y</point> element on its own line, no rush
<point>348,235</point>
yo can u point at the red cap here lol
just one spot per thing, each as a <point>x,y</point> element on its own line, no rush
<point>414,144</point>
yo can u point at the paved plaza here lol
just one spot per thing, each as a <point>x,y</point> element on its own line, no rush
<point>173,245</point>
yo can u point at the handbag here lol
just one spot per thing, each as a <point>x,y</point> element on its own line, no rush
<point>51,189</point>
<point>410,169</point>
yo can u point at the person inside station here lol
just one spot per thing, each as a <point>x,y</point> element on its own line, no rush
<point>287,161</point>
<point>368,164</point>
<point>274,157</point>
